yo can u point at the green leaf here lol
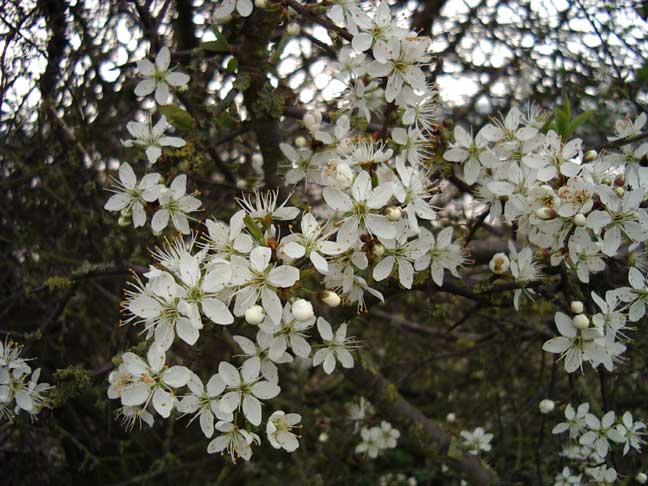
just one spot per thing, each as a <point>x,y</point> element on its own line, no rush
<point>232,65</point>
<point>243,81</point>
<point>642,73</point>
<point>283,42</point>
<point>178,117</point>
<point>567,107</point>
<point>561,120</point>
<point>547,125</point>
<point>218,45</point>
<point>226,120</point>
<point>254,230</point>
<point>578,121</point>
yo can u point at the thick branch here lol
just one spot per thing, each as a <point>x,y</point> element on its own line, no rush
<point>430,437</point>
<point>309,14</point>
<point>620,142</point>
<point>259,94</point>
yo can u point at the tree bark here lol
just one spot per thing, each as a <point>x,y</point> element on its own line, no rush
<point>430,437</point>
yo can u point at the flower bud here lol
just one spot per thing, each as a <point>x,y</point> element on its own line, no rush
<point>393,213</point>
<point>499,264</point>
<point>619,191</point>
<point>125,218</point>
<point>378,250</point>
<point>545,213</point>
<point>451,417</point>
<point>261,4</point>
<point>577,307</point>
<point>257,162</point>
<point>641,478</point>
<point>323,437</point>
<point>302,310</point>
<point>546,406</point>
<point>255,315</point>
<point>590,156</point>
<point>293,28</point>
<point>581,321</point>
<point>343,175</point>
<point>309,121</point>
<point>331,298</point>
<point>300,141</point>
<point>580,219</point>
<point>222,20</point>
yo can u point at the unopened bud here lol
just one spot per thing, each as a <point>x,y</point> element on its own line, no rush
<point>545,213</point>
<point>581,321</point>
<point>393,213</point>
<point>378,250</point>
<point>499,264</point>
<point>257,162</point>
<point>124,220</point>
<point>293,29</point>
<point>222,20</point>
<point>619,191</point>
<point>577,307</point>
<point>641,478</point>
<point>261,4</point>
<point>343,175</point>
<point>302,310</point>
<point>546,406</point>
<point>331,298</point>
<point>309,121</point>
<point>590,156</point>
<point>255,315</point>
<point>580,219</point>
<point>300,141</point>
<point>451,417</point>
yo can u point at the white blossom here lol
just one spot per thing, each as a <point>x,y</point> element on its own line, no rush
<point>336,347</point>
<point>151,138</point>
<point>245,388</point>
<point>133,196</point>
<point>278,430</point>
<point>159,77</point>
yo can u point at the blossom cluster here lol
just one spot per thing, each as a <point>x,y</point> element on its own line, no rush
<point>376,194</point>
<point>377,439</point>
<point>571,208</point>
<point>19,387</point>
<point>370,182</point>
<point>592,439</point>
<point>578,208</point>
<point>131,198</point>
